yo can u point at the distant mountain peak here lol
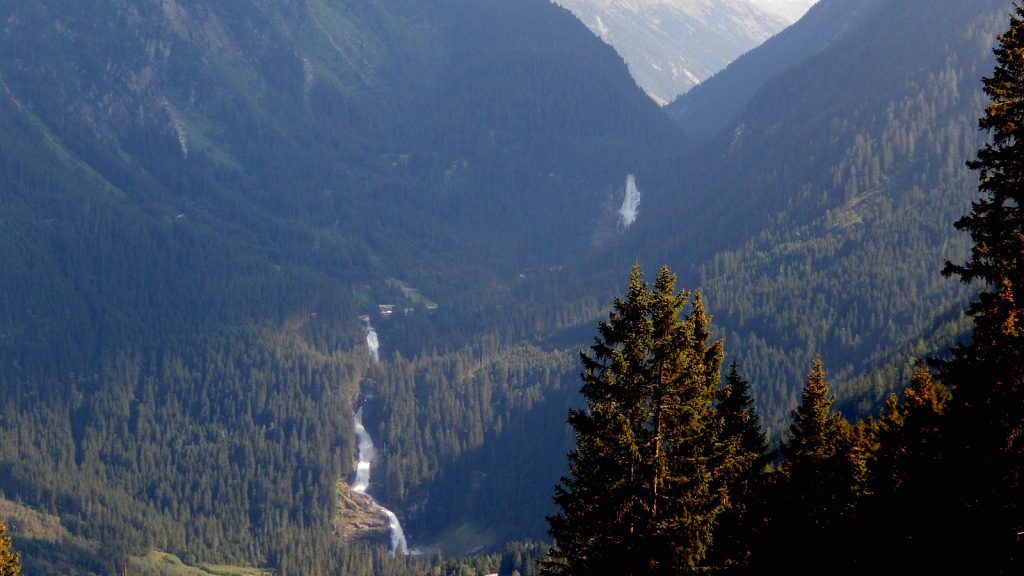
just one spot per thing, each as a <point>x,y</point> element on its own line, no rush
<point>790,10</point>
<point>672,45</point>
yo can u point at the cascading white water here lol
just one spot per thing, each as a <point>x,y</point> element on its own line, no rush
<point>372,342</point>
<point>367,452</point>
<point>630,203</point>
<point>362,482</point>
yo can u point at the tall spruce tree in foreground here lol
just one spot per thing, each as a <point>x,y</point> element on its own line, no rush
<point>813,447</point>
<point>736,406</point>
<point>647,478</point>
<point>986,375</point>
<point>814,490</point>
<point>600,505</point>
<point>740,525</point>
<point>904,519</point>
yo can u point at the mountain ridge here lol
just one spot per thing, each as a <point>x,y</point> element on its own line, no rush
<point>200,202</point>
<point>711,105</point>
<point>834,173</point>
<point>673,45</point>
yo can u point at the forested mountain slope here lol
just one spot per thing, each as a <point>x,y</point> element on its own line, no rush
<point>818,220</point>
<point>199,199</point>
<point>717,100</point>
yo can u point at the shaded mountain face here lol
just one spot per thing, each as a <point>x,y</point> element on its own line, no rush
<point>200,198</point>
<point>818,217</point>
<point>815,221</point>
<point>334,116</point>
<point>710,106</point>
<point>672,45</point>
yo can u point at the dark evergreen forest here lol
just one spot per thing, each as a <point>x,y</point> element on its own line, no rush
<point>199,200</point>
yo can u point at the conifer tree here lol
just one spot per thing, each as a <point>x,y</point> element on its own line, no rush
<point>815,486</point>
<point>10,560</point>
<point>816,431</point>
<point>600,504</point>
<point>741,429</point>
<point>736,407</point>
<point>986,375</point>
<point>647,476</point>
<point>905,515</point>
<point>909,432</point>
<point>698,463</point>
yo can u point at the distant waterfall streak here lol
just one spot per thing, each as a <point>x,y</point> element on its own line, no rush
<point>630,203</point>
<point>366,455</point>
<point>362,482</point>
<point>372,341</point>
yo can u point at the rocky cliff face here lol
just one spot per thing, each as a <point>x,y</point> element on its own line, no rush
<point>358,518</point>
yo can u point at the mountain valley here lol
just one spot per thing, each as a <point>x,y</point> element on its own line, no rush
<point>200,201</point>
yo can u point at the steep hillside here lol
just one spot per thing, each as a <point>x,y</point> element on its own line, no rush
<point>818,223</point>
<point>719,99</point>
<point>201,198</point>
<point>819,219</point>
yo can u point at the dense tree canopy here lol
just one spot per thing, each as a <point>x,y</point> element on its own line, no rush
<point>167,386</point>
<point>648,475</point>
<point>737,526</point>
<point>987,373</point>
<point>933,485</point>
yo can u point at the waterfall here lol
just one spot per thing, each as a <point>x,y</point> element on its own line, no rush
<point>366,453</point>
<point>362,482</point>
<point>372,341</point>
<point>630,203</point>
